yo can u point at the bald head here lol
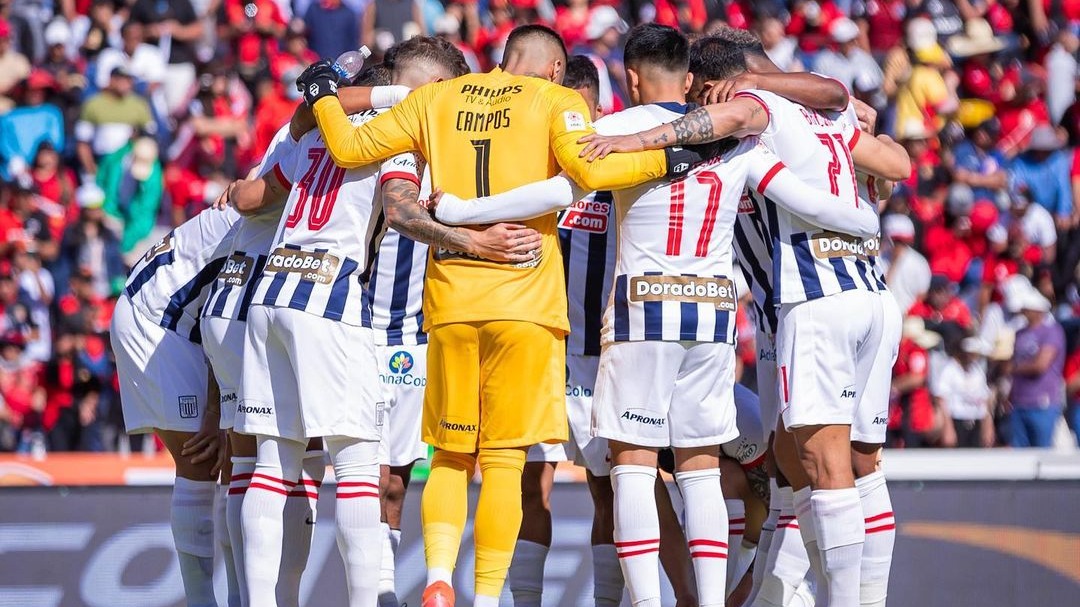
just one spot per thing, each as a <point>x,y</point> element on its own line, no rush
<point>535,50</point>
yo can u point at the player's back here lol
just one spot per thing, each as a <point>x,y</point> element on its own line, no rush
<point>249,241</point>
<point>486,134</point>
<point>168,283</point>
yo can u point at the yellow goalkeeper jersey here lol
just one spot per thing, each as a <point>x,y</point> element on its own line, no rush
<point>485,134</point>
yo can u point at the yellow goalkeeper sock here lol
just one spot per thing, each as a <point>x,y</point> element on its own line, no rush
<point>498,517</point>
<point>443,508</point>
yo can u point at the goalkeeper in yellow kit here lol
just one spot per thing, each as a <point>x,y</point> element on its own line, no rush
<point>496,330</point>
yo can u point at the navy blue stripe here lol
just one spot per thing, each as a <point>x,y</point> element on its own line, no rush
<point>653,313</point>
<point>188,293</point>
<point>688,321</point>
<point>222,294</point>
<point>774,243</point>
<point>566,240</point>
<point>377,234</point>
<point>195,335</point>
<point>723,322</point>
<point>399,296</point>
<point>148,272</point>
<point>804,257</point>
<point>751,267</point>
<point>864,274</point>
<point>277,283</point>
<point>593,301</point>
<point>249,289</point>
<point>339,294</point>
<point>622,309</point>
<point>847,283</point>
<point>671,106</point>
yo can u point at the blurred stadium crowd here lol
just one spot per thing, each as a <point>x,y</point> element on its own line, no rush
<point>120,119</point>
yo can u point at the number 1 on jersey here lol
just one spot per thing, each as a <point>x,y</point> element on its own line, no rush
<point>677,210</point>
<point>483,159</point>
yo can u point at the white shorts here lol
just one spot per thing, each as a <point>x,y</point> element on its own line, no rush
<point>403,371</point>
<point>306,376</point>
<point>765,370</point>
<point>162,375</point>
<point>666,394</point>
<point>825,350</point>
<point>872,416</point>
<point>583,448</point>
<point>223,342</point>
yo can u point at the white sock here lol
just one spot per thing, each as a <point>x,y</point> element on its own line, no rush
<point>808,529</point>
<point>880,536</point>
<point>607,576</point>
<point>526,576</point>
<point>298,525</point>
<point>242,467</point>
<point>736,512</point>
<point>841,531</point>
<point>224,543</point>
<point>765,541</point>
<point>637,532</point>
<point>192,518</point>
<point>356,465</point>
<point>387,589</point>
<point>438,574</point>
<point>785,564</point>
<point>706,533</point>
<point>486,601</point>
<point>262,515</point>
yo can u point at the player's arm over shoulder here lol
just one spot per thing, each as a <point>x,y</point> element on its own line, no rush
<point>393,132</point>
<point>568,121</point>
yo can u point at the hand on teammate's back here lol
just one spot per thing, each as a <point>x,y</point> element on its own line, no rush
<point>317,81</point>
<point>719,91</point>
<point>506,243</point>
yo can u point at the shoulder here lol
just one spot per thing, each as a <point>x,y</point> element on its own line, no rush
<point>628,121</point>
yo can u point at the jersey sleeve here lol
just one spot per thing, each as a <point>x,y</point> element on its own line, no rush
<point>772,179</point>
<point>402,166</point>
<point>280,146</point>
<point>568,122</point>
<point>390,133</point>
<point>519,204</point>
<point>765,99</point>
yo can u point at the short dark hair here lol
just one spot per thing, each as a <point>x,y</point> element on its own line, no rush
<point>427,49</point>
<point>524,34</point>
<point>744,40</point>
<point>581,73</point>
<point>373,75</point>
<point>659,46</point>
<point>713,58</point>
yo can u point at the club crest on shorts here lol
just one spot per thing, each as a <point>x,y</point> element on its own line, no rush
<point>401,363</point>
<point>189,406</point>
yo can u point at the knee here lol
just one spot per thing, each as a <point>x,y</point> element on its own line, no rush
<point>512,459</point>
<point>465,462</point>
<point>865,459</point>
<point>533,496</point>
<point>393,490</point>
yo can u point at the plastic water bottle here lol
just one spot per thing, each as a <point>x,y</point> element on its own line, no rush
<point>349,63</point>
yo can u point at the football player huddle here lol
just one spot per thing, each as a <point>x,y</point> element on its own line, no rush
<point>484,264</point>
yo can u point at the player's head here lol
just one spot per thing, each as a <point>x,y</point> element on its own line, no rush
<point>373,75</point>
<point>712,58</point>
<point>535,50</point>
<point>656,56</point>
<point>583,77</point>
<point>424,59</point>
<point>757,60</point>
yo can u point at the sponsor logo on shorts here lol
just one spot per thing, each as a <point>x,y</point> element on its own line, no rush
<point>746,452</point>
<point>456,427</point>
<point>254,410</point>
<point>848,392</point>
<point>715,290</point>
<point>400,367</point>
<point>745,204</point>
<point>228,397</point>
<point>160,247</point>
<point>648,420</point>
<point>237,270</point>
<point>880,419</point>
<point>313,267</point>
<point>579,391</point>
<point>380,412</point>
<point>587,216</point>
<point>189,406</point>
<point>767,354</point>
<point>827,245</point>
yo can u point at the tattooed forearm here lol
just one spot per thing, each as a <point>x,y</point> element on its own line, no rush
<point>695,127</point>
<point>759,482</point>
<point>406,216</point>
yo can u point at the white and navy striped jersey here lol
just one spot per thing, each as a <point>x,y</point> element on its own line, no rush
<point>328,233</point>
<point>587,239</point>
<point>868,191</point>
<point>169,282</point>
<point>809,262</point>
<point>674,261</point>
<point>753,252</point>
<point>395,287</point>
<point>749,448</point>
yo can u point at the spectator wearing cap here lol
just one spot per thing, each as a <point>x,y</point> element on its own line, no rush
<point>295,53</point>
<point>174,26</point>
<point>978,164</point>
<point>604,33</point>
<point>781,48</point>
<point>19,386</point>
<point>975,49</point>
<point>99,29</point>
<point>34,122</point>
<point>925,95</point>
<point>1035,224</point>
<point>913,421</point>
<point>961,391</point>
<point>144,62</point>
<point>130,185</point>
<point>1044,169</point>
<point>1021,109</point>
<point>448,26</point>
<point>845,61</point>
<point>63,62</point>
<point>88,246</point>
<point>20,313</point>
<point>1038,390</point>
<point>14,66</point>
<point>942,305</point>
<point>907,271</point>
<point>110,119</point>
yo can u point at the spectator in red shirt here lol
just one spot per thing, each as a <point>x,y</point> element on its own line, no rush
<point>942,305</point>
<point>1072,391</point>
<point>19,384</point>
<point>253,27</point>
<point>571,21</point>
<point>913,420</point>
<point>275,107</point>
<point>1020,110</point>
<point>810,21</point>
<point>884,21</point>
<point>56,186</point>
<point>976,48</point>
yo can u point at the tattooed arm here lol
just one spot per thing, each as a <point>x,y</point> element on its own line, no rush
<point>759,482</point>
<point>500,242</point>
<point>740,117</point>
